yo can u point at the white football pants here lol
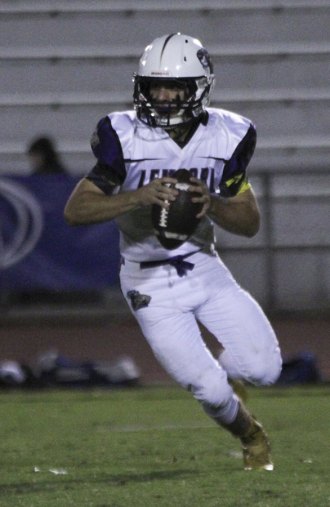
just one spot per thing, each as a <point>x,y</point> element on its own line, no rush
<point>210,295</point>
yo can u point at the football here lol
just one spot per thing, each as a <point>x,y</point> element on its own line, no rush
<point>173,226</point>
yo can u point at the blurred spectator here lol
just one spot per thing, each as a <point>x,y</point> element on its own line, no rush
<point>44,158</point>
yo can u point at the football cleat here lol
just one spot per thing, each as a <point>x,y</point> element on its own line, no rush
<point>256,449</point>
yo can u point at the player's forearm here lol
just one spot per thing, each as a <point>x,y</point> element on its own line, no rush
<point>240,218</point>
<point>89,207</point>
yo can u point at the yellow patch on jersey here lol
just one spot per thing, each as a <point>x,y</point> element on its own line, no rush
<point>245,186</point>
<point>240,182</point>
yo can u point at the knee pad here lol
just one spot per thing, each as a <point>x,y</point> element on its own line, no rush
<point>260,372</point>
<point>268,373</point>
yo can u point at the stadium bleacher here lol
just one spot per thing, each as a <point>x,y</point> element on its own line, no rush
<point>63,65</point>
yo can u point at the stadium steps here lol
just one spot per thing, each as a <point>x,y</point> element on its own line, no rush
<point>65,64</point>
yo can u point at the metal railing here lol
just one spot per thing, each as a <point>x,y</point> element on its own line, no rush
<point>287,265</point>
<point>284,240</point>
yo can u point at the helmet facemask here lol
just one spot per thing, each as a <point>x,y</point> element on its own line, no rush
<point>170,114</point>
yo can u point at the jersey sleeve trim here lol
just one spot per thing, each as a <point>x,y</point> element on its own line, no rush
<point>101,177</point>
<point>110,170</point>
<point>234,179</point>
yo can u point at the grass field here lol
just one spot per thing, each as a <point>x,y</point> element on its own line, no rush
<point>154,447</point>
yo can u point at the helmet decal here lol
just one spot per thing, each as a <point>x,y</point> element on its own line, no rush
<point>165,43</point>
<point>205,59</point>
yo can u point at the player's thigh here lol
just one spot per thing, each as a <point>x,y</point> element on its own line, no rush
<point>177,343</point>
<point>169,327</point>
<point>168,323</point>
<point>251,349</point>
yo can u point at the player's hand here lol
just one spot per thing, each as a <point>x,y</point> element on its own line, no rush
<point>204,197</point>
<point>159,191</point>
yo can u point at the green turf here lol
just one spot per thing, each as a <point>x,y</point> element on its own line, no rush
<point>155,447</point>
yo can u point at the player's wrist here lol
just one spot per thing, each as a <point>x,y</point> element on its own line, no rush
<point>215,202</point>
<point>136,198</point>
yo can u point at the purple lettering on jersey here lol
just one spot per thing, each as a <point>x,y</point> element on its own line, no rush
<point>212,185</point>
<point>206,174</point>
<point>168,173</point>
<point>154,173</point>
<point>142,178</point>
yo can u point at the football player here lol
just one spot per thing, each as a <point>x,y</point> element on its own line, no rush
<point>171,291</point>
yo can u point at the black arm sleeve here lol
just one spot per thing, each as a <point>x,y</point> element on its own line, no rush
<point>234,172</point>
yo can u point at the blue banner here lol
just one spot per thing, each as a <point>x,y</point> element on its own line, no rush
<point>39,251</point>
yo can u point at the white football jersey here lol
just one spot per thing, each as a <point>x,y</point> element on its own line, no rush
<point>217,153</point>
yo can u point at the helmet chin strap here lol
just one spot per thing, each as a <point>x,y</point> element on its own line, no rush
<point>176,121</point>
<point>173,122</point>
<point>181,132</point>
<point>184,117</point>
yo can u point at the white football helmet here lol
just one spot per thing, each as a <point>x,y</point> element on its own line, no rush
<point>179,60</point>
